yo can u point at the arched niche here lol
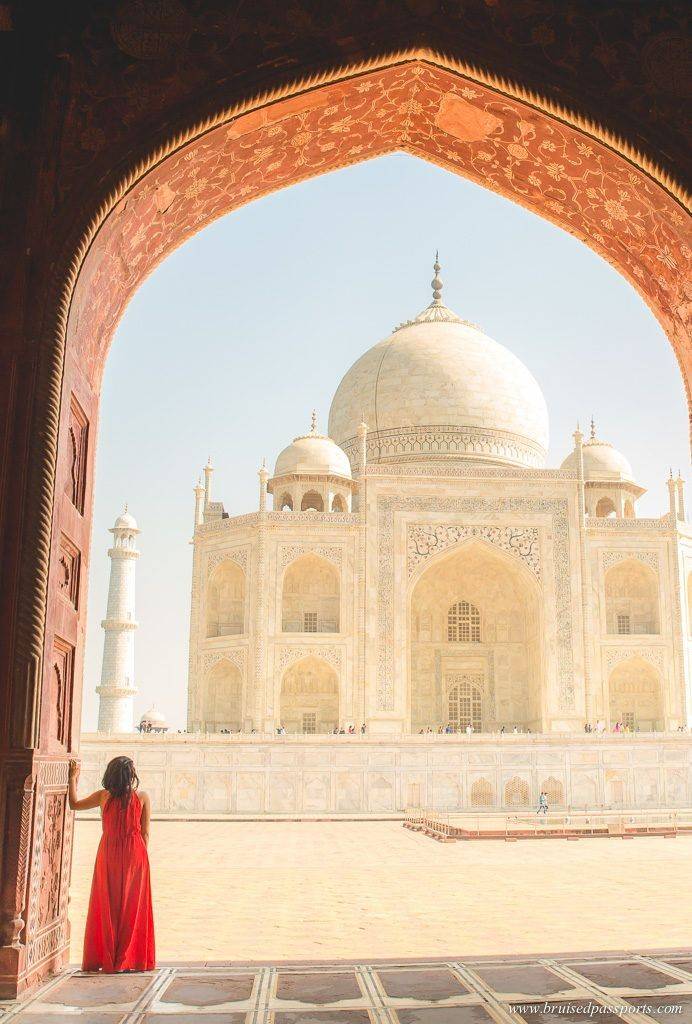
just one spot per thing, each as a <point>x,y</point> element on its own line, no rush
<point>222,698</point>
<point>605,508</point>
<point>312,501</point>
<point>631,598</point>
<point>225,603</point>
<point>310,597</point>
<point>309,699</point>
<point>635,697</point>
<point>338,503</point>
<point>474,636</point>
<point>285,503</point>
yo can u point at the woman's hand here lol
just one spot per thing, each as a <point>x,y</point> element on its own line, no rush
<point>74,770</point>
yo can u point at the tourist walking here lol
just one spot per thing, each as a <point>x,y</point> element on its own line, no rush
<point>542,803</point>
<point>119,934</point>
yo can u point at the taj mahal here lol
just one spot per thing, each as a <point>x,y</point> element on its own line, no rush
<point>418,567</point>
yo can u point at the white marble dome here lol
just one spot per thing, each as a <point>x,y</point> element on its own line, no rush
<point>155,718</point>
<point>601,461</point>
<point>126,521</point>
<point>439,388</point>
<point>313,453</point>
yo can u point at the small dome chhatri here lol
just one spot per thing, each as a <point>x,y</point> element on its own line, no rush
<point>125,521</point>
<point>601,460</point>
<point>438,388</point>
<point>313,453</point>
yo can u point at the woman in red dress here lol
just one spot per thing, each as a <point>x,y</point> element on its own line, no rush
<point>119,933</point>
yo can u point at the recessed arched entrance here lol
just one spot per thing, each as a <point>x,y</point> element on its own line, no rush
<point>475,654</point>
<point>574,173</point>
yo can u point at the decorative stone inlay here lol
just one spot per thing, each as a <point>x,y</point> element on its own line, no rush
<point>425,540</point>
<point>226,525</point>
<point>309,517</point>
<point>446,442</point>
<point>614,655</point>
<point>289,553</point>
<point>482,470</point>
<point>611,558</point>
<point>236,655</point>
<point>626,525</point>
<point>237,555</point>
<point>289,653</point>
<point>556,508</point>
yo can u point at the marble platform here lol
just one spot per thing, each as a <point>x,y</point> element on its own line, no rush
<point>368,775</point>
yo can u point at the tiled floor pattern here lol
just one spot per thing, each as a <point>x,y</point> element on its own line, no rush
<point>584,987</point>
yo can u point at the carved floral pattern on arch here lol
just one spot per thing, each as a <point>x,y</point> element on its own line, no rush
<point>237,555</point>
<point>289,553</point>
<point>614,655</point>
<point>291,653</point>
<point>235,655</point>
<point>426,110</point>
<point>424,541</point>
<point>611,558</point>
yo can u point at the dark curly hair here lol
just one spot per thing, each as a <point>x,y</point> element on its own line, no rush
<point>120,779</point>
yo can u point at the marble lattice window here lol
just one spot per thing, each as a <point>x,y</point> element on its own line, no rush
<point>465,705</point>
<point>463,623</point>
<point>624,624</point>
<point>310,722</point>
<point>310,622</point>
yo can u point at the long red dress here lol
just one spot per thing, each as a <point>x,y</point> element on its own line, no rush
<point>119,933</point>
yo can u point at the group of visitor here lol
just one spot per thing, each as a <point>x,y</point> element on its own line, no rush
<point>469,729</point>
<point>338,730</point>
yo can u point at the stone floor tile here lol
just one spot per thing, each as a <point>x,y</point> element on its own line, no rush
<point>659,1007</point>
<point>575,1009</point>
<point>318,987</point>
<point>444,1015</point>
<point>426,984</point>
<point>319,1017</point>
<point>99,989</point>
<point>612,974</point>
<point>35,1015</point>
<point>683,965</point>
<point>527,979</point>
<point>209,990</point>
<point>185,1018</point>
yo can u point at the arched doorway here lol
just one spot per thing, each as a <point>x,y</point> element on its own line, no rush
<point>222,698</point>
<point>475,643</point>
<point>416,101</point>
<point>310,596</point>
<point>631,593</point>
<point>635,696</point>
<point>309,700</point>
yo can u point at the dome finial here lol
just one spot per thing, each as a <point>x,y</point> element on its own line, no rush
<point>313,422</point>
<point>593,429</point>
<point>436,282</point>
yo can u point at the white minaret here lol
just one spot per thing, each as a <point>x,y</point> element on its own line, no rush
<point>117,688</point>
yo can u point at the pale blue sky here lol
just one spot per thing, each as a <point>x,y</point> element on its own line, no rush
<point>228,346</point>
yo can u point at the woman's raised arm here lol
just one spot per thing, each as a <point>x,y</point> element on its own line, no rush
<point>93,800</point>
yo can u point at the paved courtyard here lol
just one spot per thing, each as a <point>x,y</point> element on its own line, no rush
<point>272,891</point>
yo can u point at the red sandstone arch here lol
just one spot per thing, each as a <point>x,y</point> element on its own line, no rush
<point>551,160</point>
